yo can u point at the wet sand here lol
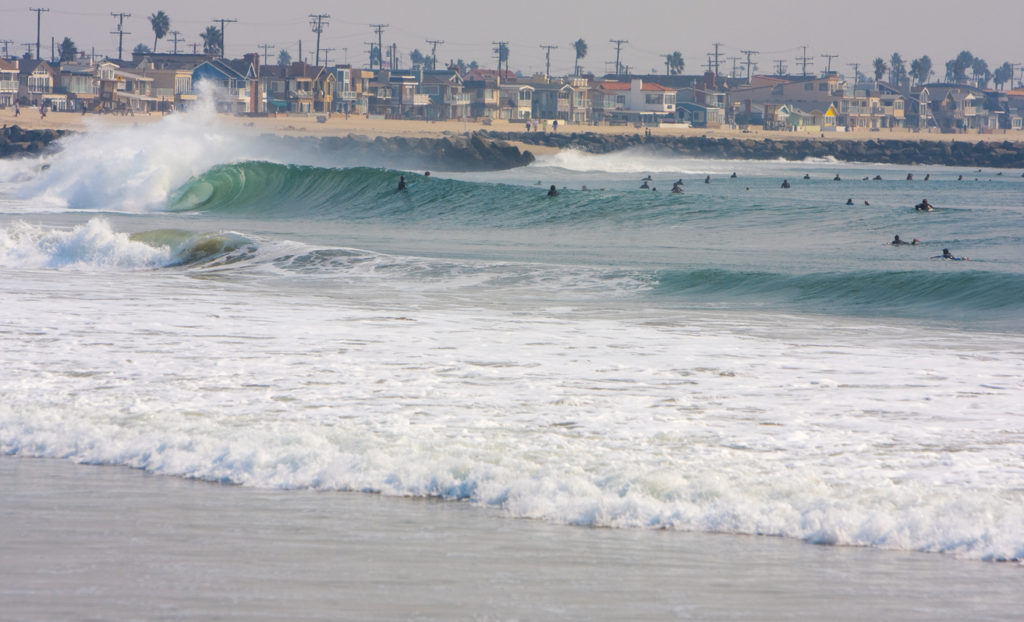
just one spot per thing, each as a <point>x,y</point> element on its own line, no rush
<point>93,542</point>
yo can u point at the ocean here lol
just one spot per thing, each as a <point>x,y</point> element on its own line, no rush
<point>739,359</point>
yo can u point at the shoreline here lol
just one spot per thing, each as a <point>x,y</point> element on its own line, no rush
<point>111,542</point>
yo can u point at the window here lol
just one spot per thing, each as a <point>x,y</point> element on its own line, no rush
<point>525,96</point>
<point>823,86</point>
<point>653,98</point>
<point>808,86</point>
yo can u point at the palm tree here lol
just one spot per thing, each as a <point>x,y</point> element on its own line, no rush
<point>880,68</point>
<point>921,69</point>
<point>212,41</point>
<point>1002,75</point>
<point>980,73</point>
<point>67,50</point>
<point>418,59</point>
<point>161,26</point>
<point>897,70</point>
<point>674,63</point>
<point>581,51</point>
<point>141,50</point>
<point>284,58</point>
<point>956,69</point>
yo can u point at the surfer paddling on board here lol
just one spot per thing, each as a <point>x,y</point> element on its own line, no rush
<point>553,191</point>
<point>924,206</point>
<point>896,241</point>
<point>948,255</point>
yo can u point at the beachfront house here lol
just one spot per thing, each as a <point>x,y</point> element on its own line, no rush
<point>516,102</point>
<point>8,82</point>
<point>448,100</point>
<point>37,79</point>
<point>237,83</point>
<point>567,99</point>
<point>406,101</point>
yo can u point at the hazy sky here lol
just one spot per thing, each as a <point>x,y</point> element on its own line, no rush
<point>858,31</point>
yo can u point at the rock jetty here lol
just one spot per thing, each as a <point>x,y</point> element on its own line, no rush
<point>959,152</point>
<point>15,141</point>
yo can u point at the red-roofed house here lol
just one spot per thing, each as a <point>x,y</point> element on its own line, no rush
<point>613,100</point>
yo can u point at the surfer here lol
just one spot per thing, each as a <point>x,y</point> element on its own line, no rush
<point>648,178</point>
<point>836,178</point>
<point>785,183</point>
<point>896,241</point>
<point>807,175</point>
<point>733,176</point>
<point>645,185</point>
<point>401,183</point>
<point>910,177</point>
<point>866,203</point>
<point>948,255</point>
<point>877,178</point>
<point>677,189</point>
<point>707,179</point>
<point>849,201</point>
<point>553,192</point>
<point>927,176</point>
<point>924,206</point>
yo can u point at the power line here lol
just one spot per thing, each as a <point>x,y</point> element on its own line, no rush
<point>547,58</point>
<point>618,48</point>
<point>828,65</point>
<point>433,52</point>
<point>265,46</point>
<point>318,28</point>
<point>748,63</point>
<point>176,39</point>
<point>380,46</point>
<point>120,31</point>
<point>804,61</point>
<point>223,39</point>
<point>39,23</point>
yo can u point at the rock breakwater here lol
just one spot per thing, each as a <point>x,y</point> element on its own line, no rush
<point>993,154</point>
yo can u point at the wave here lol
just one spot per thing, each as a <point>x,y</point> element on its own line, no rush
<point>96,246</point>
<point>260,189</point>
<point>957,295</point>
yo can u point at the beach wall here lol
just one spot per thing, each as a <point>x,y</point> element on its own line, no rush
<point>950,153</point>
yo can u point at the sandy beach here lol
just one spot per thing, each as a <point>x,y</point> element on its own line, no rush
<point>338,125</point>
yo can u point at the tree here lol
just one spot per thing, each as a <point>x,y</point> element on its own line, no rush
<point>1002,75</point>
<point>213,40</point>
<point>674,63</point>
<point>956,69</point>
<point>418,59</point>
<point>880,68</point>
<point>921,69</point>
<point>67,50</point>
<point>284,58</point>
<point>581,51</point>
<point>161,26</point>
<point>141,50</point>
<point>897,69</point>
<point>980,73</point>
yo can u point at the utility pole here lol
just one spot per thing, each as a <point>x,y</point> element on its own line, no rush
<point>265,46</point>
<point>779,67</point>
<point>710,63</point>
<point>317,23</point>
<point>223,39</point>
<point>176,39</point>
<point>7,42</point>
<point>380,46</point>
<point>28,47</point>
<point>433,52</point>
<point>828,65</point>
<point>120,31</point>
<point>502,50</point>
<point>39,23</point>
<point>734,59</point>
<point>326,52</point>
<point>748,63</point>
<point>195,48</point>
<point>856,74</point>
<point>547,59</point>
<point>804,61</point>
<point>618,48</point>
<point>717,45</point>
<point>373,46</point>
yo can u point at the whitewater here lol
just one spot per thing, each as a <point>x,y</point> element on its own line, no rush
<point>736,359</point>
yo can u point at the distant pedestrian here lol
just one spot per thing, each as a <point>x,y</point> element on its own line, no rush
<point>554,126</point>
<point>527,127</point>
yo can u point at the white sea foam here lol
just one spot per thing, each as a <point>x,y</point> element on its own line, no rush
<point>92,246</point>
<point>133,169</point>
<point>843,434</point>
